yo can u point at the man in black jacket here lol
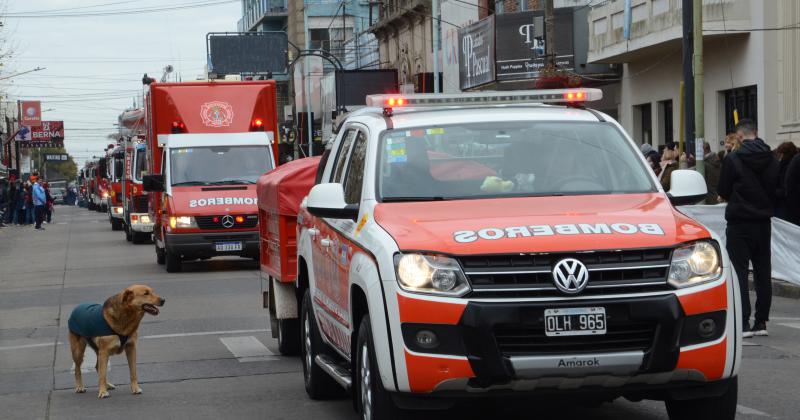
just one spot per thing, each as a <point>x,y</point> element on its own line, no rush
<point>748,182</point>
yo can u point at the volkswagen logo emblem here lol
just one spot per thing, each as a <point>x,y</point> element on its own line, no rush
<point>227,221</point>
<point>570,276</point>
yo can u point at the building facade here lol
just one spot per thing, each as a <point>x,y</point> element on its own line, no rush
<point>750,65</point>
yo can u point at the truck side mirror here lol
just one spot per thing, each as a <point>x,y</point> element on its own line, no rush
<point>686,187</point>
<point>153,183</point>
<point>327,200</point>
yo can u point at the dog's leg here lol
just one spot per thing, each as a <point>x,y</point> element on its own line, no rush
<point>102,371</point>
<point>130,353</point>
<point>78,347</point>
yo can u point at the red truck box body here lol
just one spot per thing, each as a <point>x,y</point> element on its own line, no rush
<point>280,193</point>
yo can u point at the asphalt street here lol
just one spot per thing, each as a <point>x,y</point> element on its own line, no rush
<point>209,354</point>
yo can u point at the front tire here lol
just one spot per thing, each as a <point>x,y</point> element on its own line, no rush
<point>172,261</point>
<point>128,233</point>
<point>722,407</point>
<point>372,400</point>
<point>160,255</point>
<point>318,384</point>
<point>116,224</point>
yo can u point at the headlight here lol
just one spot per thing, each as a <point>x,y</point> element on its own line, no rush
<point>182,222</point>
<point>430,274</point>
<point>694,264</point>
<point>145,220</point>
<point>118,210</point>
<point>105,194</point>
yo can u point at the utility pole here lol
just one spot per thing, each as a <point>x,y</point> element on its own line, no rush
<point>699,117</point>
<point>688,76</point>
<point>437,27</point>
<point>550,35</point>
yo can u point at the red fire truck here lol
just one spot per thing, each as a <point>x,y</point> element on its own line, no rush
<point>136,219</point>
<point>207,144</point>
<point>115,164</point>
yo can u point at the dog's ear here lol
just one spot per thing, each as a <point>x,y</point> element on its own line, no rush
<point>127,296</point>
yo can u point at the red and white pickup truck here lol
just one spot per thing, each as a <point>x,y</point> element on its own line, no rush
<point>501,243</point>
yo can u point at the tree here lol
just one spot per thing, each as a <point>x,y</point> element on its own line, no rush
<point>55,170</point>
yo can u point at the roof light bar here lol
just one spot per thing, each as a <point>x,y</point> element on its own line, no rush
<point>486,98</point>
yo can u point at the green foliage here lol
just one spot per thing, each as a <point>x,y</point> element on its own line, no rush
<point>56,170</point>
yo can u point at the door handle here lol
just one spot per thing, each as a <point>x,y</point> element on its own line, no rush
<point>313,232</point>
<point>326,242</point>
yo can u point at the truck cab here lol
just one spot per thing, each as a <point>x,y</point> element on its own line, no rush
<point>207,144</point>
<point>137,220</point>
<point>115,164</point>
<point>508,243</point>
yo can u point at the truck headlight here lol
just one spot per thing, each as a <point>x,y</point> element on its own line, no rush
<point>694,264</point>
<point>182,222</point>
<point>145,219</point>
<point>105,194</point>
<point>430,274</point>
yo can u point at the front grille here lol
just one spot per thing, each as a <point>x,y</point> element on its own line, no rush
<point>531,341</point>
<point>140,204</point>
<point>530,275</point>
<point>215,222</point>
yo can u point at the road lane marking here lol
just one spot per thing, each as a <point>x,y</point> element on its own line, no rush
<point>29,346</point>
<point>247,349</point>
<point>795,325</point>
<point>202,333</point>
<point>750,411</point>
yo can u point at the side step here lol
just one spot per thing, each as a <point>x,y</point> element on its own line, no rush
<point>340,372</point>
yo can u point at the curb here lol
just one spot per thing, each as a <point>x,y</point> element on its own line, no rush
<point>782,289</point>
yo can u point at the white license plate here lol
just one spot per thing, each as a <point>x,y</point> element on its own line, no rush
<point>146,228</point>
<point>228,246</point>
<point>575,321</point>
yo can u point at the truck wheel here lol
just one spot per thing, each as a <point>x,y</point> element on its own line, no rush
<point>116,224</point>
<point>160,257</point>
<point>289,336</point>
<point>90,206</point>
<point>720,408</point>
<point>172,262</point>
<point>128,234</point>
<point>372,400</point>
<point>318,384</point>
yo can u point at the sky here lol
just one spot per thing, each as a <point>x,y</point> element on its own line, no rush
<point>94,64</point>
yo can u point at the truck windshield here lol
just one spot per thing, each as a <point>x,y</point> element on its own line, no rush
<point>508,159</point>
<point>140,164</point>
<point>218,165</point>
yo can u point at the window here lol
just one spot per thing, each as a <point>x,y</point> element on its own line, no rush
<point>341,156</point>
<point>141,164</point>
<point>643,124</point>
<point>744,101</point>
<point>355,170</point>
<point>508,159</point>
<point>665,118</point>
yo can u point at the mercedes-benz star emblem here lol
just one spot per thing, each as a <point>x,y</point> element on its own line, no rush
<point>227,221</point>
<point>570,276</point>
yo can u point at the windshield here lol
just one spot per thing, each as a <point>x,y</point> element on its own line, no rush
<point>218,165</point>
<point>506,159</point>
<point>118,168</point>
<point>140,164</point>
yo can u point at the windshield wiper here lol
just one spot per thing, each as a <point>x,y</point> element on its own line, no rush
<point>400,199</point>
<point>189,183</point>
<point>232,182</point>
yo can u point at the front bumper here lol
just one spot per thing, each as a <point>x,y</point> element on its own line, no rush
<point>493,345</point>
<point>138,226</point>
<point>202,245</point>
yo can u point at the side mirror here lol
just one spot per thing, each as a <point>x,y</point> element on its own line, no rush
<point>687,187</point>
<point>327,200</point>
<point>153,183</point>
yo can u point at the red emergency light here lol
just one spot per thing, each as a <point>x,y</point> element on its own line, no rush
<point>257,124</point>
<point>394,102</point>
<point>215,219</point>
<point>575,96</point>
<point>178,127</point>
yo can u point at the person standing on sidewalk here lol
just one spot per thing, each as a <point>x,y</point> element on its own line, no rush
<point>748,182</point>
<point>3,201</point>
<point>39,197</point>
<point>712,168</point>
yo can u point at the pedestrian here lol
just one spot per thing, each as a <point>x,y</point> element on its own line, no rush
<point>19,204</point>
<point>732,143</point>
<point>748,182</point>
<point>27,206</point>
<point>39,198</point>
<point>785,153</point>
<point>712,168</point>
<point>792,184</point>
<point>3,201</point>
<point>669,163</point>
<point>50,203</point>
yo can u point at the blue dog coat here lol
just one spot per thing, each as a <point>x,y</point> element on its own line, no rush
<point>87,321</point>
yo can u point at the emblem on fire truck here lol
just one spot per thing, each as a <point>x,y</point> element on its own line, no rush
<point>216,114</point>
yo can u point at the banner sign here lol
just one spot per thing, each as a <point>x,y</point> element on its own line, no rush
<point>49,134</point>
<point>476,53</point>
<point>56,157</point>
<point>521,43</point>
<point>30,113</point>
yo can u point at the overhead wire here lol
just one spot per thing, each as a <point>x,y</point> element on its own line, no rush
<point>120,12</point>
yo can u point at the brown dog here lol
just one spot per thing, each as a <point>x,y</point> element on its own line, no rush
<point>109,329</point>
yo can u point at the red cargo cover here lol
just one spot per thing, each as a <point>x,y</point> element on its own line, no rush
<point>285,187</point>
